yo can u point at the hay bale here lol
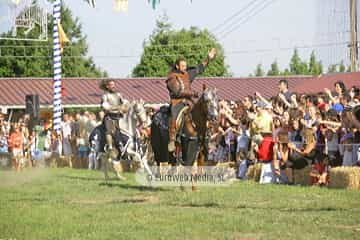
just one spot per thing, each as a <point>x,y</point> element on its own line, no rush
<point>226,164</point>
<point>302,176</point>
<point>345,177</point>
<point>63,161</point>
<point>254,172</point>
<point>210,163</point>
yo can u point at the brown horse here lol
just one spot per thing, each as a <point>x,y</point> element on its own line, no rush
<point>192,134</point>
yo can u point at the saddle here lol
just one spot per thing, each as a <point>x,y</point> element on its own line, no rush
<point>161,118</point>
<point>121,140</point>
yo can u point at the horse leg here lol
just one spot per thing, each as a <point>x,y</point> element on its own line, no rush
<point>118,170</point>
<point>105,162</point>
<point>193,172</point>
<point>197,167</point>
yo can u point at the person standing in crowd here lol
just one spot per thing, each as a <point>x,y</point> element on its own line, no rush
<point>66,138</point>
<point>346,150</point>
<point>75,134</point>
<point>25,138</point>
<point>281,156</point>
<point>16,146</point>
<point>284,93</point>
<point>33,146</point>
<point>3,142</point>
<point>354,95</point>
<point>295,132</point>
<point>332,146</point>
<point>82,146</point>
<point>55,148</point>
<point>340,91</point>
<point>47,142</point>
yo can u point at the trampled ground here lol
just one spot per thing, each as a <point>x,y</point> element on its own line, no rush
<point>77,204</point>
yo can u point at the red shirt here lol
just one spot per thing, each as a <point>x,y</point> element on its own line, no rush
<point>320,168</point>
<point>15,140</point>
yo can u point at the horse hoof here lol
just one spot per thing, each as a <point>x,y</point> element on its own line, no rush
<point>194,189</point>
<point>121,178</point>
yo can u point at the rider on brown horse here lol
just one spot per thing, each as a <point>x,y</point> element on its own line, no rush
<point>179,85</point>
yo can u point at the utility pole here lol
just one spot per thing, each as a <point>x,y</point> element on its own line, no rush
<point>354,56</point>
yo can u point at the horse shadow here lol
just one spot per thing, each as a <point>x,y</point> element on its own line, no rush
<point>83,178</point>
<point>133,187</point>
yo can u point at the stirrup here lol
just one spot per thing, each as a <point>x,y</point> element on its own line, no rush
<point>107,148</point>
<point>171,146</point>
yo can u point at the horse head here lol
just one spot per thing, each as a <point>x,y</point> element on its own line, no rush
<point>140,113</point>
<point>210,98</point>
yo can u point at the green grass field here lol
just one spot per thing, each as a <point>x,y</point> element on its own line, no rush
<point>77,204</point>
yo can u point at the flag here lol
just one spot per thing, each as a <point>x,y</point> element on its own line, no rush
<point>16,2</point>
<point>92,3</point>
<point>154,2</point>
<point>121,5</point>
<point>62,37</point>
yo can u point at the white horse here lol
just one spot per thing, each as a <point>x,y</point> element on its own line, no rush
<point>133,150</point>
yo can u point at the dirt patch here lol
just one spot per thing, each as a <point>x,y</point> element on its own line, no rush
<point>134,200</point>
<point>247,236</point>
<point>355,228</point>
<point>13,178</point>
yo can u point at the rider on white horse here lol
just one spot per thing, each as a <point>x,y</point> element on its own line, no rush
<point>114,106</point>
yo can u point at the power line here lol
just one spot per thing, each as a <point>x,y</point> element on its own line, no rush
<point>247,19</point>
<point>192,52</point>
<point>233,16</point>
<point>327,34</point>
<point>244,16</point>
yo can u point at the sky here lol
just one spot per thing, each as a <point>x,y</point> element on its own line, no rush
<point>115,38</point>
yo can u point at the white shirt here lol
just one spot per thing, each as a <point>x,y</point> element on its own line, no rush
<point>66,129</point>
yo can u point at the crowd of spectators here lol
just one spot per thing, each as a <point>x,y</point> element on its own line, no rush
<point>287,131</point>
<point>40,145</point>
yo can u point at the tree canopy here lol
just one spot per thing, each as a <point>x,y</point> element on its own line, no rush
<point>165,45</point>
<point>34,59</point>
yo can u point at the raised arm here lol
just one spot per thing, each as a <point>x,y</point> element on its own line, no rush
<point>193,72</point>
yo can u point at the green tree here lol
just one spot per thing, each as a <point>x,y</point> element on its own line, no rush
<point>165,45</point>
<point>342,67</point>
<point>274,69</point>
<point>297,66</point>
<point>315,67</point>
<point>332,68</point>
<point>259,72</point>
<point>339,68</point>
<point>38,61</point>
<point>348,69</point>
<point>286,72</point>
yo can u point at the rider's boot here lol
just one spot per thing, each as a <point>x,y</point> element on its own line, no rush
<point>172,135</point>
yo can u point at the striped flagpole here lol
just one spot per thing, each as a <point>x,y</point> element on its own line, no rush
<point>57,69</point>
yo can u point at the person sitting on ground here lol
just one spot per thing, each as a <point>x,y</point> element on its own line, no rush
<point>302,157</point>
<point>320,171</point>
